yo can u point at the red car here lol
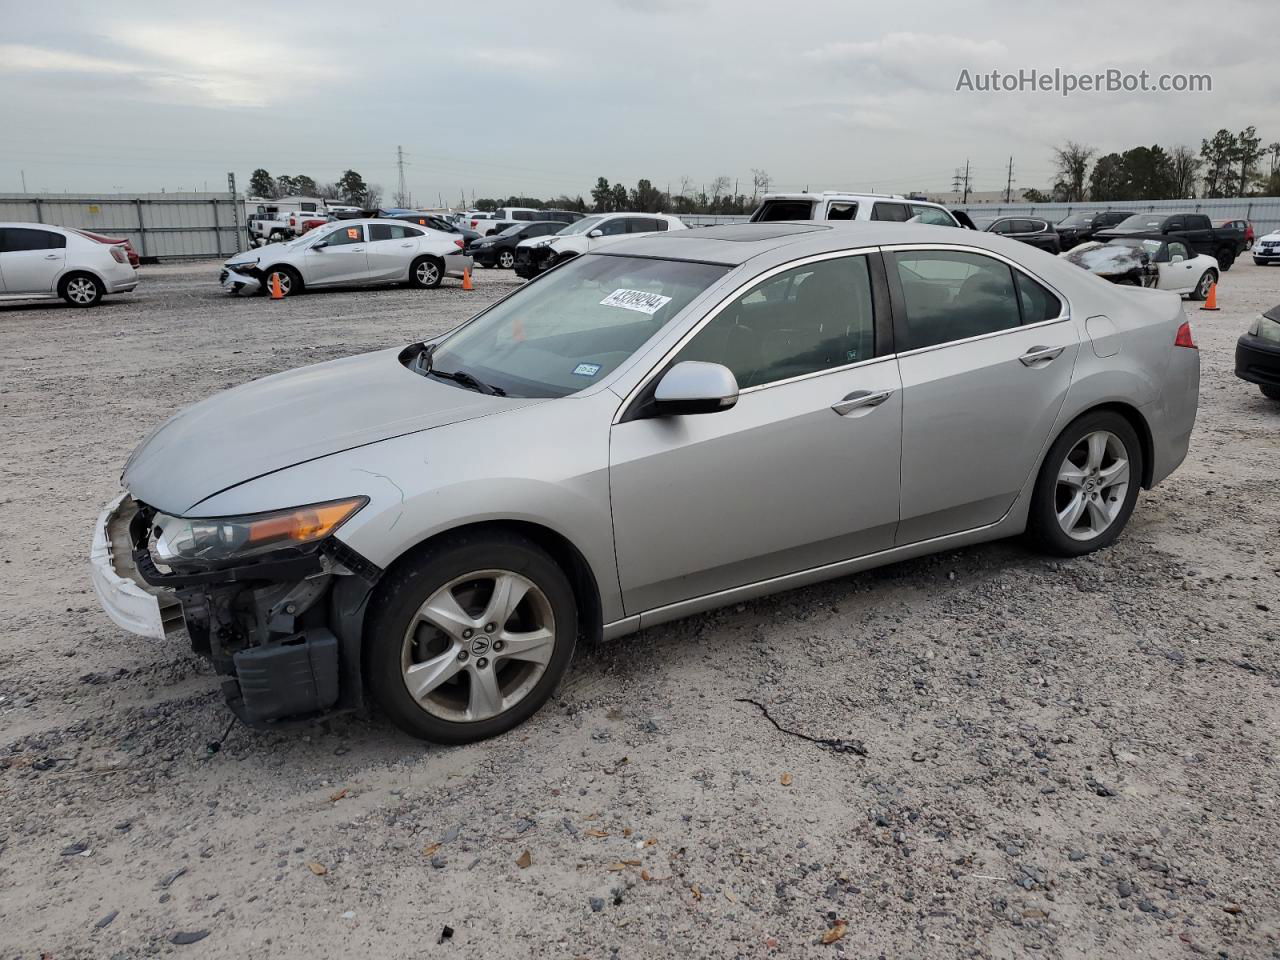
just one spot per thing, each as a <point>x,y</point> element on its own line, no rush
<point>1244,226</point>
<point>122,241</point>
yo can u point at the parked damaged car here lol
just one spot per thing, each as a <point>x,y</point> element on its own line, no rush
<point>616,445</point>
<point>350,253</point>
<point>1119,263</point>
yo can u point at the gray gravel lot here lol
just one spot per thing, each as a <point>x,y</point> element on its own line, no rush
<point>1059,758</point>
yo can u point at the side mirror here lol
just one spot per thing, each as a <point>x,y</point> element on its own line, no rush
<point>695,387</point>
<point>595,233</point>
<point>319,244</point>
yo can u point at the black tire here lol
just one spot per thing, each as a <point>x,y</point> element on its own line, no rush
<point>81,289</point>
<point>290,281</point>
<point>1043,526</point>
<point>426,273</point>
<point>1225,257</point>
<point>400,596</point>
<point>1201,292</point>
<point>506,259</point>
<point>1271,393</point>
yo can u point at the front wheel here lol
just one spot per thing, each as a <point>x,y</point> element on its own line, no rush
<point>470,638</point>
<point>1271,393</point>
<point>1087,487</point>
<point>1207,280</point>
<point>81,290</point>
<point>506,259</point>
<point>290,282</point>
<point>426,273</point>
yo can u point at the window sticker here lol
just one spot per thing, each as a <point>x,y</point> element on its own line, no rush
<point>353,233</point>
<point>586,370</point>
<point>637,300</point>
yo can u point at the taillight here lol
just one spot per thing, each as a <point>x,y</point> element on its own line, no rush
<point>460,244</point>
<point>475,224</point>
<point>1183,339</point>
<point>119,255</point>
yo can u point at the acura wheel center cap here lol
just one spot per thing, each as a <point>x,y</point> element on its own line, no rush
<point>480,645</point>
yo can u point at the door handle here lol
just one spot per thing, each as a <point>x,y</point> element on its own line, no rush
<point>51,256</point>
<point>357,249</point>
<point>406,244</point>
<point>1040,355</point>
<point>861,400</point>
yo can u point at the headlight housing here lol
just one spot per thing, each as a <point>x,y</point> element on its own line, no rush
<point>542,243</point>
<point>216,539</point>
<point>1265,329</point>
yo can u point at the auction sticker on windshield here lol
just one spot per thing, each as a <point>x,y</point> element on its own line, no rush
<point>637,300</point>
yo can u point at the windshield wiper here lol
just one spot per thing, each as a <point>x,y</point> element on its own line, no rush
<point>464,379</point>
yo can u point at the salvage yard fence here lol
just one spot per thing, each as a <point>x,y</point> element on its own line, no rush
<point>1264,212</point>
<point>159,225</point>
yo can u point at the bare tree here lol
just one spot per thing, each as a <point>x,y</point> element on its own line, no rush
<point>720,185</point>
<point>373,196</point>
<point>759,183</point>
<point>1184,170</point>
<point>328,191</point>
<point>1072,160</point>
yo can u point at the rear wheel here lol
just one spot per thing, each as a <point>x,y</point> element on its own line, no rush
<point>1271,393</point>
<point>469,639</point>
<point>1225,257</point>
<point>506,259</point>
<point>1207,280</point>
<point>1088,485</point>
<point>81,290</point>
<point>426,273</point>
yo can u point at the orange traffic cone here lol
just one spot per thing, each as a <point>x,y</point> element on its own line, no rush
<point>1211,302</point>
<point>276,292</point>
<point>466,279</point>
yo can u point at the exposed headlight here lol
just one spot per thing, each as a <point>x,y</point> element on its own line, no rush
<point>234,538</point>
<point>241,264</point>
<point>542,243</point>
<point>1266,329</point>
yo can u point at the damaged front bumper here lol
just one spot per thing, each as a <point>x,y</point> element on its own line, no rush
<point>284,629</point>
<point>239,281</point>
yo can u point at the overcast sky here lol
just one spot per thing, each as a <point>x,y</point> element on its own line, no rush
<point>542,97</point>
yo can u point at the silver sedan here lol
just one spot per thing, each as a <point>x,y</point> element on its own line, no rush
<point>656,428</point>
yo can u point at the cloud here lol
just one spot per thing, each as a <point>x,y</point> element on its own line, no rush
<point>509,59</point>
<point>16,58</point>
<point>896,60</point>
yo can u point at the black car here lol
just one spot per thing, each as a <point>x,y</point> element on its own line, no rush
<point>1080,227</point>
<point>1222,243</point>
<point>499,250</point>
<point>1258,354</point>
<point>1030,230</point>
<point>437,222</point>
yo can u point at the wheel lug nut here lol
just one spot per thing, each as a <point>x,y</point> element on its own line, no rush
<point>466,634</point>
<point>462,655</point>
<point>482,662</point>
<point>489,627</point>
<point>497,646</point>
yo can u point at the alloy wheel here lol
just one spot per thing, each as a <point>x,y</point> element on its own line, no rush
<point>506,259</point>
<point>286,282</point>
<point>1091,487</point>
<point>1205,283</point>
<point>82,290</point>
<point>428,273</point>
<point>478,646</point>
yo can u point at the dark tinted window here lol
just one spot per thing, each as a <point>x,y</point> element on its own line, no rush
<point>1002,226</point>
<point>641,225</point>
<point>660,225</point>
<point>524,215</point>
<point>1176,223</point>
<point>810,318</point>
<point>14,239</point>
<point>953,296</point>
<point>774,210</point>
<point>308,207</point>
<point>611,228</point>
<point>345,235</point>
<point>897,212</point>
<point>842,211</point>
<point>1037,302</point>
<point>1196,221</point>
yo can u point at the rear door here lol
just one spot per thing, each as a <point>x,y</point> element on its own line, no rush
<point>801,472</point>
<point>390,250</point>
<point>342,258</point>
<point>986,355</point>
<point>31,260</point>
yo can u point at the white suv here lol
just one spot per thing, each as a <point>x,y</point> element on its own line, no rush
<point>542,253</point>
<point>40,262</point>
<point>831,205</point>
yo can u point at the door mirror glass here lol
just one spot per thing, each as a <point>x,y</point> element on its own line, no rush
<point>595,233</point>
<point>695,387</point>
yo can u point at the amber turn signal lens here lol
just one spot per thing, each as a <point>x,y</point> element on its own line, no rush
<point>304,524</point>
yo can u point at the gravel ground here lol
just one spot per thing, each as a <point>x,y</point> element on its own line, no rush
<point>1040,757</point>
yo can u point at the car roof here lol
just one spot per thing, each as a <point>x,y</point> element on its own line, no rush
<point>1162,237</point>
<point>841,194</point>
<point>735,244</point>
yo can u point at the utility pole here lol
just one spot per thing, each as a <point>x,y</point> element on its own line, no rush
<point>1008,185</point>
<point>24,180</point>
<point>966,181</point>
<point>402,195</point>
<point>956,181</point>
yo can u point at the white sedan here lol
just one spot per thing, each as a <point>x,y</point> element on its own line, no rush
<point>43,262</point>
<point>1179,268</point>
<point>349,253</point>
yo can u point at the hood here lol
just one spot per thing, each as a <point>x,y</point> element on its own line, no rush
<point>1273,237</point>
<point>1106,259</point>
<point>289,418</point>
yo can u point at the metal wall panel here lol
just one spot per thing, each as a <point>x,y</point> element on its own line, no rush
<point>1264,212</point>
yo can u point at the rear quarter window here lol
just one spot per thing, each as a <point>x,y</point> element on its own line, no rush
<point>774,210</point>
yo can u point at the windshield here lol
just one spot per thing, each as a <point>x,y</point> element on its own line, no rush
<point>1077,220</point>
<point>1137,243</point>
<point>582,226</point>
<point>512,230</point>
<point>1141,221</point>
<point>574,326</point>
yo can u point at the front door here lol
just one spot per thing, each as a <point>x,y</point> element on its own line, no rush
<point>31,260</point>
<point>1177,271</point>
<point>986,355</point>
<point>802,472</point>
<point>341,258</point>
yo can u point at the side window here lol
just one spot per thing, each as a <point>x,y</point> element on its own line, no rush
<point>1178,249</point>
<point>17,239</point>
<point>404,233</point>
<point>932,215</point>
<point>804,320</point>
<point>308,207</point>
<point>380,231</point>
<point>345,235</point>
<point>614,227</point>
<point>772,211</point>
<point>660,225</point>
<point>1002,226</point>
<point>1037,302</point>
<point>953,296</point>
<point>524,215</point>
<point>641,225</point>
<point>1175,224</point>
<point>1027,226</point>
<point>897,212</point>
<point>842,211</point>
